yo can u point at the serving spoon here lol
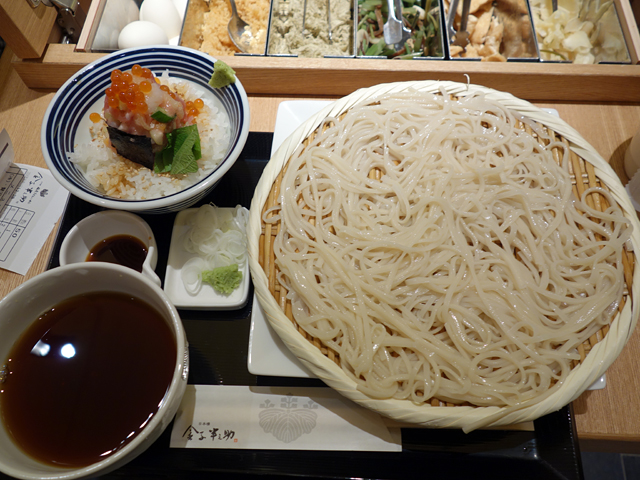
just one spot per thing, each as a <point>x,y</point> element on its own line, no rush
<point>304,18</point>
<point>462,36</point>
<point>239,30</point>
<point>394,31</point>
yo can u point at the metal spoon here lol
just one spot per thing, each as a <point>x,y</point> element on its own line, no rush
<point>329,20</point>
<point>462,36</point>
<point>304,18</point>
<point>395,33</point>
<point>239,30</point>
<point>453,7</point>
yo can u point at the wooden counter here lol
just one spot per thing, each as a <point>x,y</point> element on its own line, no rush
<point>606,419</point>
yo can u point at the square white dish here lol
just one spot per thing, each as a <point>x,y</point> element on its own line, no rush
<point>207,298</point>
<point>268,355</point>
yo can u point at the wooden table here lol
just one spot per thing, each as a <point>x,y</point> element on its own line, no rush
<point>606,419</point>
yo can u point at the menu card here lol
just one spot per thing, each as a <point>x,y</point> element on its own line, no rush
<point>31,202</point>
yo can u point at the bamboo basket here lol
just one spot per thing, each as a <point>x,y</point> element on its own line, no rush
<point>587,169</point>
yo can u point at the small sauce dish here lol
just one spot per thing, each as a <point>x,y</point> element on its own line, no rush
<point>95,229</point>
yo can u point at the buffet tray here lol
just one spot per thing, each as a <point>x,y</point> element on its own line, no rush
<point>218,347</point>
<point>279,76</point>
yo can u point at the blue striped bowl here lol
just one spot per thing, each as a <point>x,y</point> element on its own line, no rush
<point>68,111</point>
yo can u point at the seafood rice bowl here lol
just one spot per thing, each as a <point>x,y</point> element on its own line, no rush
<point>143,130</point>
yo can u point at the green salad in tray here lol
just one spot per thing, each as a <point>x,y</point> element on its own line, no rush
<point>421,16</point>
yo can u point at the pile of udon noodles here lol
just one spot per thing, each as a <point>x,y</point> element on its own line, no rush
<point>440,251</point>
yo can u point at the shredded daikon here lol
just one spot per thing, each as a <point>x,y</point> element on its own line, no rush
<point>218,237</point>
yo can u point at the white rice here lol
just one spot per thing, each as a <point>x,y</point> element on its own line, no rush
<point>117,177</point>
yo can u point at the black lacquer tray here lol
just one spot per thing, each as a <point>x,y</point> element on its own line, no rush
<point>218,347</point>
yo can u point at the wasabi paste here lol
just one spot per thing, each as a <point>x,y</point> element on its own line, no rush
<point>223,75</point>
<point>223,279</point>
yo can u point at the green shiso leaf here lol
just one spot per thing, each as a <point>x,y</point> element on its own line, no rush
<point>181,153</point>
<point>223,279</point>
<point>162,117</point>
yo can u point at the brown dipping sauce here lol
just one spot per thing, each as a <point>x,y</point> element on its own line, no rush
<point>124,250</point>
<point>86,377</point>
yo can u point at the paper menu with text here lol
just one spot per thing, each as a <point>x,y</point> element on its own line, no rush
<point>31,202</point>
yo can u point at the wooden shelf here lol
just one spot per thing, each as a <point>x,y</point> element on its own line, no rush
<point>336,77</point>
<point>284,76</point>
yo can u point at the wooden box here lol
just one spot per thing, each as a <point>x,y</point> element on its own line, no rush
<point>283,76</point>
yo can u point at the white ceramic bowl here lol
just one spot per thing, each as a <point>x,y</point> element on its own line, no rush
<point>24,304</point>
<point>67,120</point>
<point>84,235</point>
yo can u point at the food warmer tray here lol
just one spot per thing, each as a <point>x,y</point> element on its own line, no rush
<point>218,347</point>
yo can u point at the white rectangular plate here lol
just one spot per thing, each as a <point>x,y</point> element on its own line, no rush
<point>268,355</point>
<point>207,298</point>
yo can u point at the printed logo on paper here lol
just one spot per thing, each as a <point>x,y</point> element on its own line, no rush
<point>288,423</point>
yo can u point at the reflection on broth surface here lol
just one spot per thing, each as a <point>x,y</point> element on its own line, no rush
<point>86,377</point>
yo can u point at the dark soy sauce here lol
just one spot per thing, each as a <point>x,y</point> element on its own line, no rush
<point>125,250</point>
<point>86,377</point>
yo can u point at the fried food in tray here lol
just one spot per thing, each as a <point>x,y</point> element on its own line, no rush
<point>205,25</point>
<point>499,30</point>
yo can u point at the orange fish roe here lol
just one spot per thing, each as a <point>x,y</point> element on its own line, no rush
<point>124,89</point>
<point>145,86</point>
<point>131,92</point>
<point>95,117</point>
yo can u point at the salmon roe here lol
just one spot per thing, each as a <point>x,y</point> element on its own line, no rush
<point>127,93</point>
<point>95,117</point>
<point>116,75</point>
<point>124,90</point>
<point>194,108</point>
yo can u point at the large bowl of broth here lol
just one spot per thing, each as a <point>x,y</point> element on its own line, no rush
<point>94,366</point>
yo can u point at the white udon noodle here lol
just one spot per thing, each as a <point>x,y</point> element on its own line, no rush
<point>468,272</point>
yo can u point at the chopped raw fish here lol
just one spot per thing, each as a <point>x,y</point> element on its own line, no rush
<point>137,105</point>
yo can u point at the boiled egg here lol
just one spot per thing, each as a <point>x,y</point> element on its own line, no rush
<point>140,34</point>
<point>114,19</point>
<point>164,14</point>
<point>181,6</point>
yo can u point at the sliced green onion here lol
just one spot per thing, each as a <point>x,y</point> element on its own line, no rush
<point>162,117</point>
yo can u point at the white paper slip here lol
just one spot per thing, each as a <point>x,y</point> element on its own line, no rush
<point>31,202</point>
<point>278,418</point>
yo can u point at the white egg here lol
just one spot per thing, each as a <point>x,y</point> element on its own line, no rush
<point>140,33</point>
<point>181,6</point>
<point>132,12</point>
<point>164,14</point>
<point>117,14</point>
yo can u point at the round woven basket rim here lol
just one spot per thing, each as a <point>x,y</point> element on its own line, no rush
<point>597,361</point>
